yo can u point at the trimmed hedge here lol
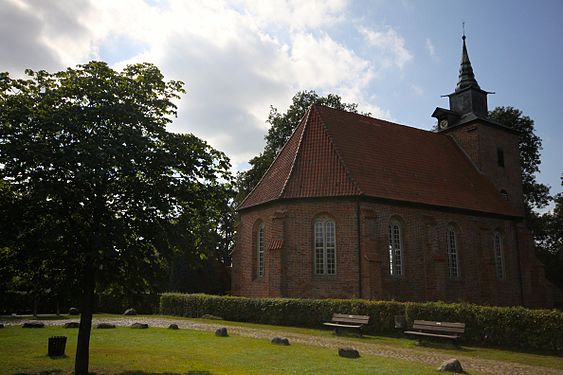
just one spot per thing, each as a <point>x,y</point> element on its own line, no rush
<point>509,327</point>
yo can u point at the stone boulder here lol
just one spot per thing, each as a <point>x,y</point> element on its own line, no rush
<point>173,326</point>
<point>451,365</point>
<point>140,325</point>
<point>33,324</point>
<point>130,312</point>
<point>105,325</point>
<point>73,311</point>
<point>222,332</point>
<point>348,353</point>
<point>72,325</point>
<point>280,341</point>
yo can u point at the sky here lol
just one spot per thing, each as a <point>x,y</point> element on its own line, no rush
<point>237,58</point>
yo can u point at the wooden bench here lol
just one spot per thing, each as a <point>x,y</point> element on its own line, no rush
<point>441,330</point>
<point>348,321</point>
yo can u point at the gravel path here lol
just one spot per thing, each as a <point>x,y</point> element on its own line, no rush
<point>470,364</point>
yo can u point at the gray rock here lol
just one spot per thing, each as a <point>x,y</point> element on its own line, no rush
<point>212,317</point>
<point>280,341</point>
<point>221,332</point>
<point>72,325</point>
<point>173,326</point>
<point>348,353</point>
<point>140,325</point>
<point>451,365</point>
<point>33,324</point>
<point>105,325</point>
<point>73,311</point>
<point>130,312</point>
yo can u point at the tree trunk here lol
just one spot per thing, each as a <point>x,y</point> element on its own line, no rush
<point>87,306</point>
<point>35,304</point>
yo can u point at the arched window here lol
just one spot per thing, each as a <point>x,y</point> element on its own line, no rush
<point>395,248</point>
<point>325,246</point>
<point>453,258</point>
<point>260,250</point>
<point>499,255</point>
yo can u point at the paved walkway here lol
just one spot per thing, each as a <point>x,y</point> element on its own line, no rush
<point>432,358</point>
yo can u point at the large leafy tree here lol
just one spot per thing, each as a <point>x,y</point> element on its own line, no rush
<point>282,126</point>
<point>100,191</point>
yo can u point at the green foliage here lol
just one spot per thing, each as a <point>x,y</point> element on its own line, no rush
<point>281,128</point>
<point>513,327</point>
<point>99,191</point>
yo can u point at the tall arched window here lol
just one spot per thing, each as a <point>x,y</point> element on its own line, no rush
<point>325,246</point>
<point>499,255</point>
<point>260,250</point>
<point>395,248</point>
<point>453,258</point>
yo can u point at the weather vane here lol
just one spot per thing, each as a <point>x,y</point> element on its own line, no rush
<point>463,28</point>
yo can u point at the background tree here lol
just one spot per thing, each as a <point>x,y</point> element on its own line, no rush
<point>99,188</point>
<point>550,241</point>
<point>281,128</point>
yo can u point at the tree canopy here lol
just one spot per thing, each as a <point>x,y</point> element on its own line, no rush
<point>95,186</point>
<point>282,126</point>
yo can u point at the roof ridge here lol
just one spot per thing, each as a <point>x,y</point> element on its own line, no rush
<point>376,119</point>
<point>305,119</point>
<point>338,156</point>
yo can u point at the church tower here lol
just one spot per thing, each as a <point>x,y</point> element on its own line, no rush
<point>492,147</point>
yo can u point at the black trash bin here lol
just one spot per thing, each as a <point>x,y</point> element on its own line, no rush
<point>57,346</point>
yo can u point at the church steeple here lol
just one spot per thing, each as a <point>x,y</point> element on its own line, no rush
<point>466,76</point>
<point>468,101</point>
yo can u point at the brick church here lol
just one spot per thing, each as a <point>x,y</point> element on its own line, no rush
<point>357,207</point>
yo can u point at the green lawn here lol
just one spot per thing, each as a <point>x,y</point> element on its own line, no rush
<point>161,351</point>
<point>533,359</point>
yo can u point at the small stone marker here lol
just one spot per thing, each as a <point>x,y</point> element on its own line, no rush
<point>221,332</point>
<point>451,365</point>
<point>73,311</point>
<point>72,325</point>
<point>140,325</point>
<point>348,353</point>
<point>33,324</point>
<point>280,341</point>
<point>130,312</point>
<point>173,326</point>
<point>105,325</point>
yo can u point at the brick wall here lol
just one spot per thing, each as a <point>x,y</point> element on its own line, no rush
<point>289,270</point>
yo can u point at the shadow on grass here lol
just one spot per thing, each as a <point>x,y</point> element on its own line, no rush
<point>49,372</point>
<point>192,372</point>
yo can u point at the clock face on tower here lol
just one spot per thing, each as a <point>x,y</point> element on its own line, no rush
<point>443,124</point>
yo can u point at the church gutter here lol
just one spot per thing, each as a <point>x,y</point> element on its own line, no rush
<point>359,231</point>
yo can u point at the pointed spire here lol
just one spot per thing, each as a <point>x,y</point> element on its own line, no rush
<point>466,76</point>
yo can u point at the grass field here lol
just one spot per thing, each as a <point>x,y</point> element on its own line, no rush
<point>161,351</point>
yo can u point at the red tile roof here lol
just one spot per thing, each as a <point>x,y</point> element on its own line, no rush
<point>335,153</point>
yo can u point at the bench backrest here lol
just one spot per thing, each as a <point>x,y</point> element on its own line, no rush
<point>427,325</point>
<point>353,319</point>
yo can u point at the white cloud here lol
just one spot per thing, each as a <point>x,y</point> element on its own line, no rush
<point>429,46</point>
<point>296,14</point>
<point>390,45</point>
<point>231,55</point>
